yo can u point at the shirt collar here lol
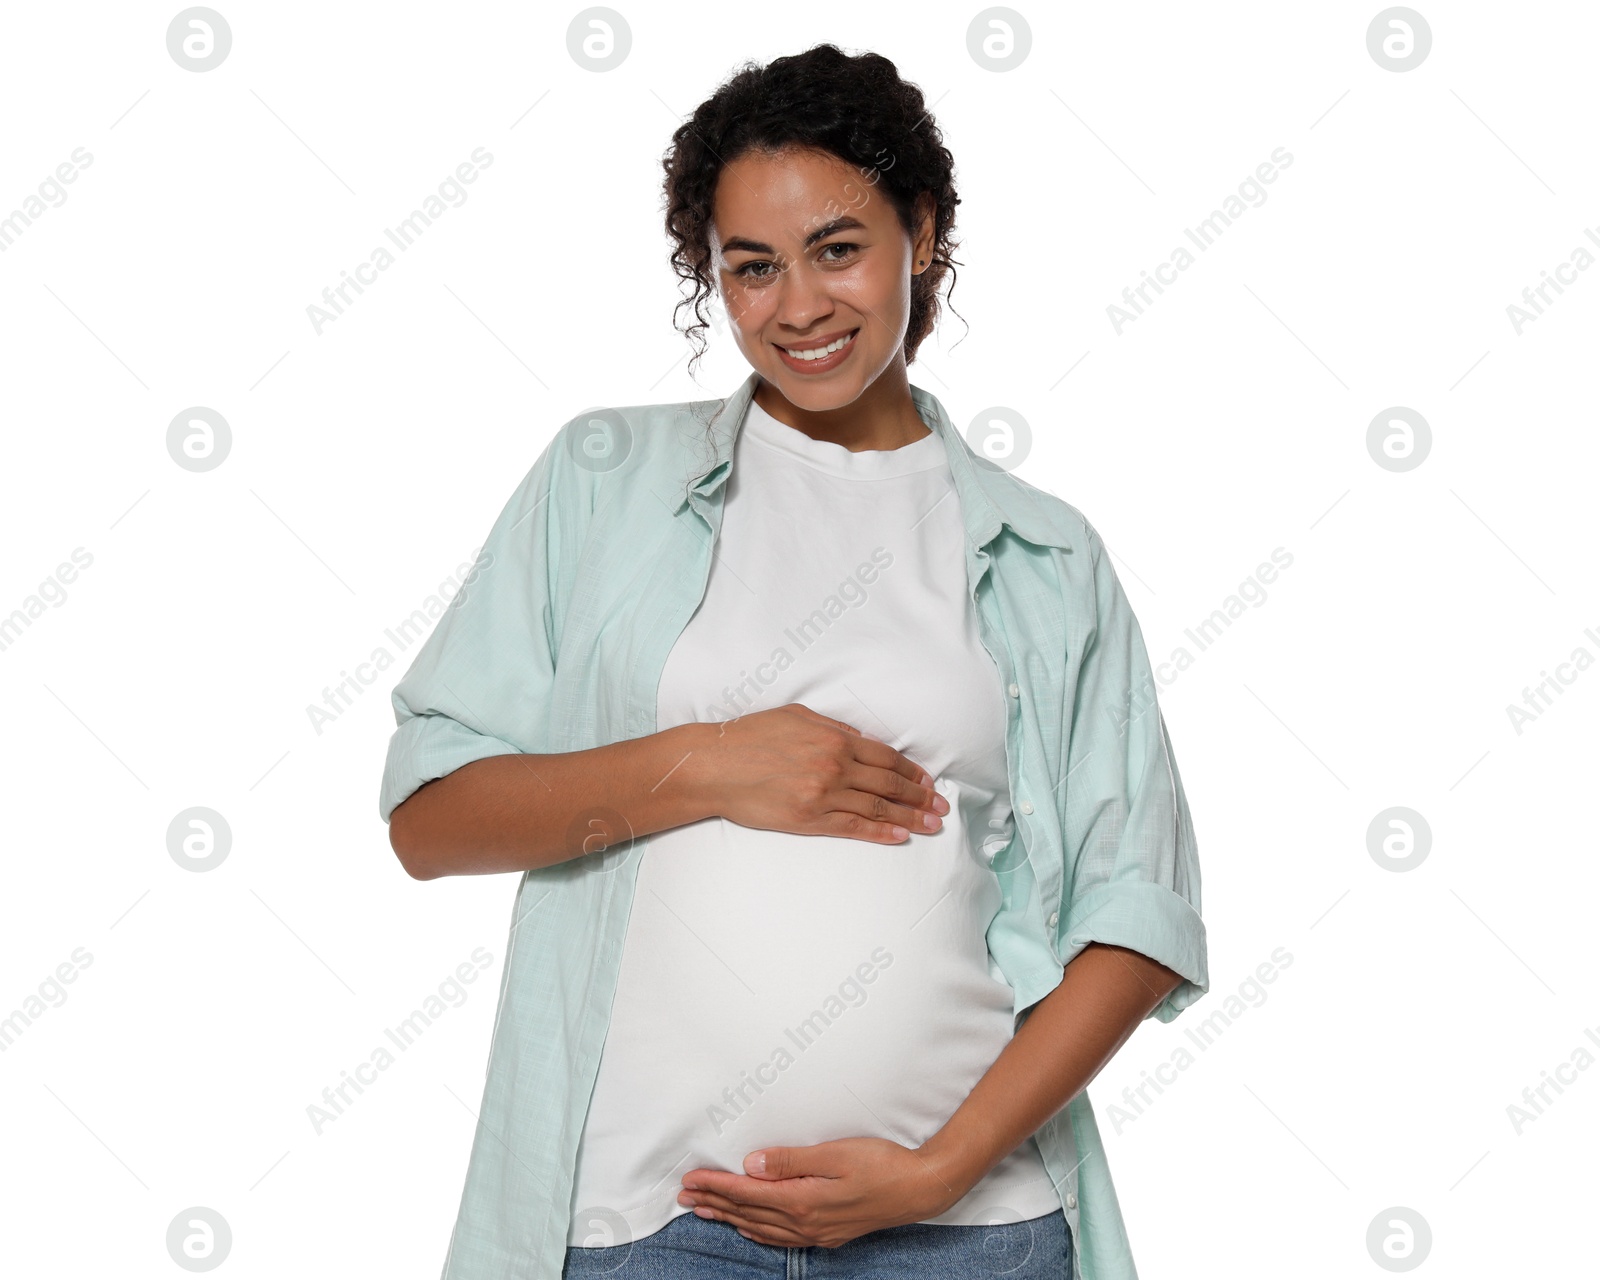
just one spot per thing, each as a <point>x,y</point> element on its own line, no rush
<point>989,495</point>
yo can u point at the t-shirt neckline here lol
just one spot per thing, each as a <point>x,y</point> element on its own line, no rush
<point>868,464</point>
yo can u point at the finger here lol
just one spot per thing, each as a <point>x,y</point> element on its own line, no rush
<point>880,755</point>
<point>852,826</point>
<point>895,821</point>
<point>895,788</point>
<point>787,1239</point>
<point>767,1196</point>
<point>757,1215</point>
<point>761,1232</point>
<point>817,715</point>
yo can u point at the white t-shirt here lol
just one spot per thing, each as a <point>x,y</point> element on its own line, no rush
<point>785,990</point>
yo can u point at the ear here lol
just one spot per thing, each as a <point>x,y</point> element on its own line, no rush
<point>922,244</point>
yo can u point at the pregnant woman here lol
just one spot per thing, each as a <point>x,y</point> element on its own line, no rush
<point>852,841</point>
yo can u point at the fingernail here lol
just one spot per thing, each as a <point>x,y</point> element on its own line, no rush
<point>930,821</point>
<point>940,804</point>
<point>756,1162</point>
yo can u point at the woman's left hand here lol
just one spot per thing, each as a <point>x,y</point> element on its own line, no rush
<point>826,1194</point>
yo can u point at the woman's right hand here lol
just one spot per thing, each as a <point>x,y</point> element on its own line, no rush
<point>791,769</point>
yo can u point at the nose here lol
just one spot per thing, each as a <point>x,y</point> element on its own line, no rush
<point>802,298</point>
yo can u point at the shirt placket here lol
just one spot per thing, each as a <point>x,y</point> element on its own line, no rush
<point>1057,1144</point>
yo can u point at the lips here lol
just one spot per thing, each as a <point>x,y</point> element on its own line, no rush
<point>812,344</point>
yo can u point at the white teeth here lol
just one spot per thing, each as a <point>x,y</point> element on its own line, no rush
<point>816,353</point>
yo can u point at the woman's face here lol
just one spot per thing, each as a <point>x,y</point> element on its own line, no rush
<point>809,251</point>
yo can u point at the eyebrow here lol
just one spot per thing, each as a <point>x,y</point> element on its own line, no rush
<point>741,243</point>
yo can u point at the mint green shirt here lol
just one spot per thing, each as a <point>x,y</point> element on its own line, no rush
<point>557,642</point>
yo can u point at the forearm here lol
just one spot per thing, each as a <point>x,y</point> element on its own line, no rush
<point>516,812</point>
<point>1063,1043</point>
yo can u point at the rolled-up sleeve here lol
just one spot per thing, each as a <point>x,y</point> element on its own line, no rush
<point>480,684</point>
<point>1134,871</point>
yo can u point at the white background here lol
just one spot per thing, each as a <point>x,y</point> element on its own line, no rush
<point>368,462</point>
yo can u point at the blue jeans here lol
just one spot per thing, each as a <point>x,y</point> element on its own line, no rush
<point>695,1248</point>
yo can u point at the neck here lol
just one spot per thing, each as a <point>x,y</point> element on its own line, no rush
<point>882,417</point>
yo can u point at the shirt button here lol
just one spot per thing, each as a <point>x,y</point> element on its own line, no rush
<point>1072,1201</point>
<point>1026,807</point>
<point>1054,916</point>
<point>1014,691</point>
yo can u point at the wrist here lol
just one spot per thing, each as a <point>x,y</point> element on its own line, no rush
<point>951,1169</point>
<point>691,770</point>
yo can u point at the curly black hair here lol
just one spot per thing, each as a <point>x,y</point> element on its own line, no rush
<point>854,107</point>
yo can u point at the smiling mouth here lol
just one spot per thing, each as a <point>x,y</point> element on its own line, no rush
<point>810,353</point>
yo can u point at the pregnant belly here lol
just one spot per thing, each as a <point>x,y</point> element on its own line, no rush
<point>787,990</point>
